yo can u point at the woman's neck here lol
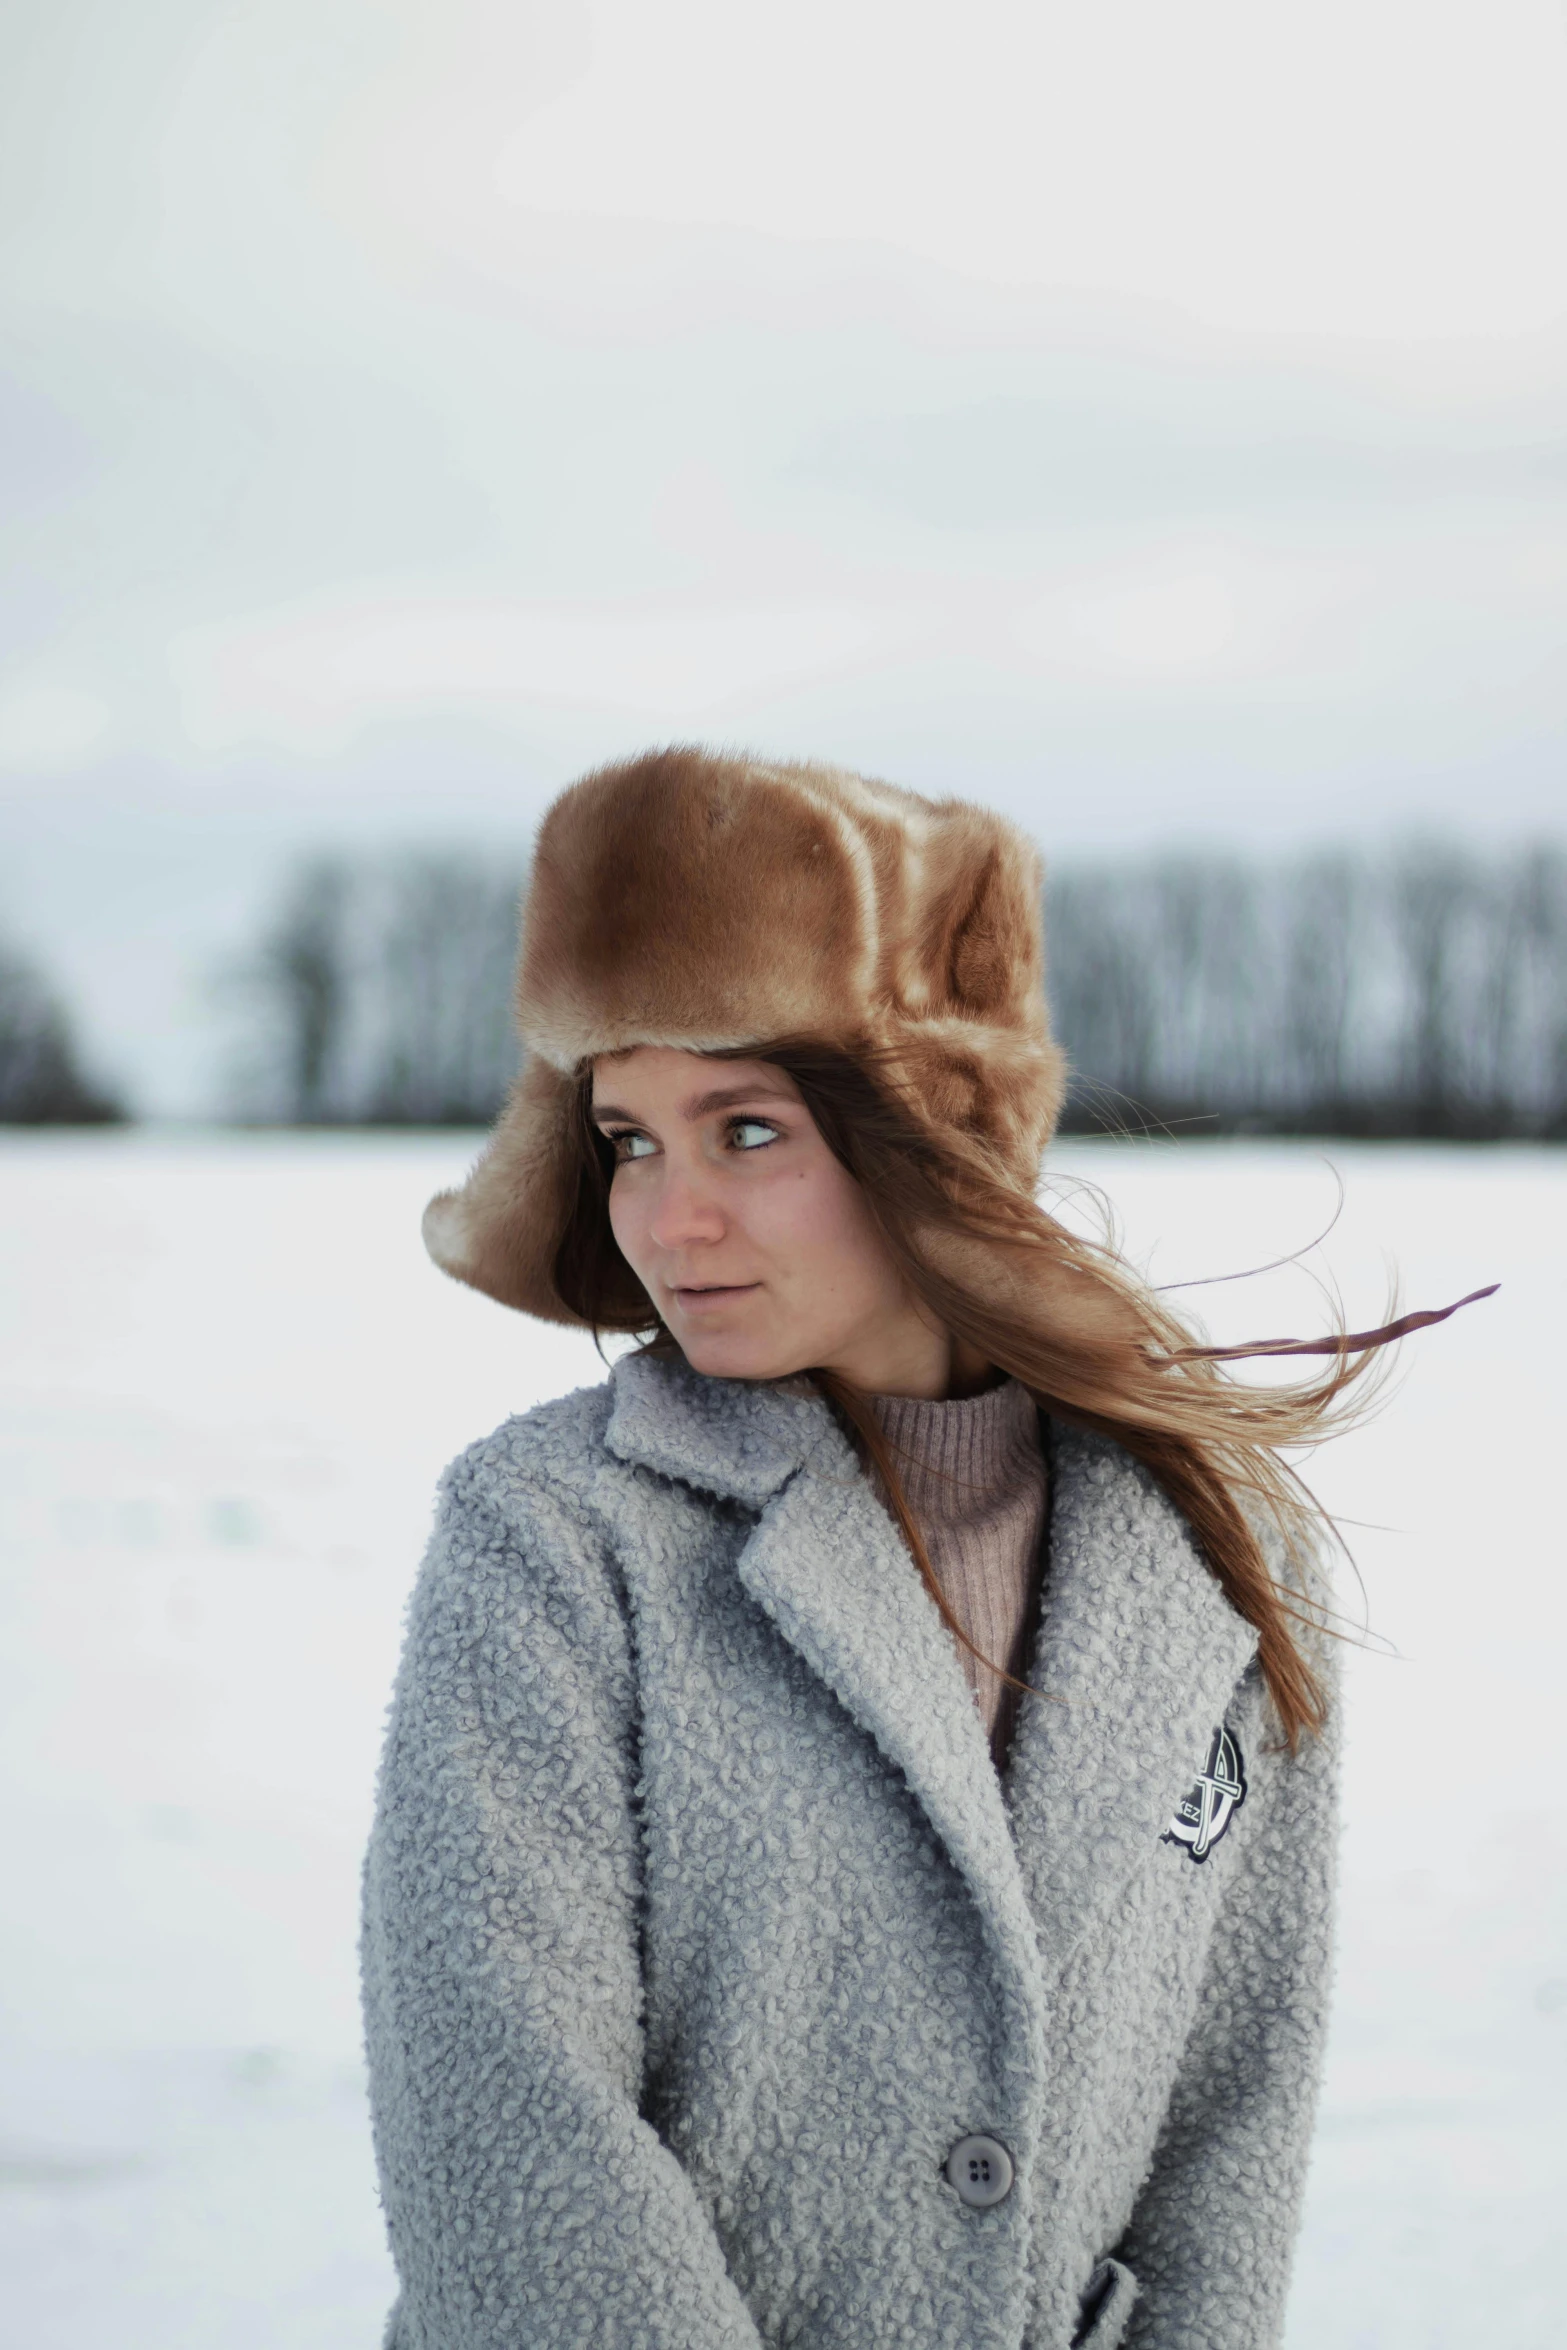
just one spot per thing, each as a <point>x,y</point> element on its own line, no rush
<point>917,1359</point>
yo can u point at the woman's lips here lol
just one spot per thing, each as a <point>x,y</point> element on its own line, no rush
<point>708,1299</point>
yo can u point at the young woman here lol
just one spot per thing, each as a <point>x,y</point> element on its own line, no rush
<point>856,1836</point>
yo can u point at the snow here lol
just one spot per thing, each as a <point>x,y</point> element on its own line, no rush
<point>228,1380</point>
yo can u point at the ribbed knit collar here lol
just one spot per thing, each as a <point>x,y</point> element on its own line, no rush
<point>955,1457</point>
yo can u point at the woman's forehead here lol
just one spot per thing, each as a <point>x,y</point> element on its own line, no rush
<point>670,1073</point>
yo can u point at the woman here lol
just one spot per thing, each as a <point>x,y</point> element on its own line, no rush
<point>749,1958</point>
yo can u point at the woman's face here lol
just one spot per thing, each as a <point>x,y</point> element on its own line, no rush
<point>753,1241</point>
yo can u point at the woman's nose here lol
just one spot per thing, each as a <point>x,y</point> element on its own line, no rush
<point>687,1210</point>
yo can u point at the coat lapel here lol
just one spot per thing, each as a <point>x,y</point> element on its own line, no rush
<point>1139,1653</point>
<point>828,1566</point>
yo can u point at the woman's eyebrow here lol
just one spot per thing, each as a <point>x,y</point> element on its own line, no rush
<point>701,1105</point>
<point>729,1098</point>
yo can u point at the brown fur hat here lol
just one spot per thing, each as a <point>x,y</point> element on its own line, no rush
<point>693,900</point>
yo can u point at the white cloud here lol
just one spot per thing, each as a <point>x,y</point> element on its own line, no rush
<point>312,676</point>
<point>1193,617</point>
<point>1182,620</point>
<point>1392,169</point>
<point>45,727</point>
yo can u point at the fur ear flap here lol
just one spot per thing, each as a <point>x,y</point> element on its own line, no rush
<point>500,1232</point>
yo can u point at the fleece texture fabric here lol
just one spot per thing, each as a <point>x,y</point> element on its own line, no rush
<point>704,901</point>
<point>699,1927</point>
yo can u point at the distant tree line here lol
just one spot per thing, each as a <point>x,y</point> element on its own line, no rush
<point>42,1082</point>
<point>383,993</point>
<point>1419,993</point>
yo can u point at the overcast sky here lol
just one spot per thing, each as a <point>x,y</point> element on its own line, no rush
<point>1151,419</point>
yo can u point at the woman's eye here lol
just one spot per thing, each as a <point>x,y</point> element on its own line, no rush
<point>749,1134</point>
<point>630,1145</point>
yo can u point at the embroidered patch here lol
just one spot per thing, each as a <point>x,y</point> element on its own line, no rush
<point>1202,1817</point>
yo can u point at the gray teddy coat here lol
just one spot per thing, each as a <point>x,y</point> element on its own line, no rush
<point>699,1927</point>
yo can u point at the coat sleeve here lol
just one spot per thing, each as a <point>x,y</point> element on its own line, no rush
<point>528,2202</point>
<point>1214,2226</point>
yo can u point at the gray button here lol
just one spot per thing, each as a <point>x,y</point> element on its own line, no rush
<point>981,2171</point>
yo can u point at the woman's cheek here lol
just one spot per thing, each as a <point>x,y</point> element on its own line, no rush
<point>791,1216</point>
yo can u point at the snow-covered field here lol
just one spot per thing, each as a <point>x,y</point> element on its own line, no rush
<point>228,1380</point>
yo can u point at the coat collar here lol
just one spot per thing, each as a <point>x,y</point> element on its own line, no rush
<point>1138,1651</point>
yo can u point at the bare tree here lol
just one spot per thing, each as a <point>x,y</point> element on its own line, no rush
<point>41,1079</point>
<point>1319,918</point>
<point>1102,987</point>
<point>448,945</point>
<point>1538,1001</point>
<point>1432,895</point>
<point>1201,930</point>
<point>303,972</point>
<point>384,992</point>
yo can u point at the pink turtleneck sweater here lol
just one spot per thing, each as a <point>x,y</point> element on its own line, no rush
<point>973,1472</point>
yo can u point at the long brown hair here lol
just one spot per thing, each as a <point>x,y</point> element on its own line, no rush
<point>1076,1325</point>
